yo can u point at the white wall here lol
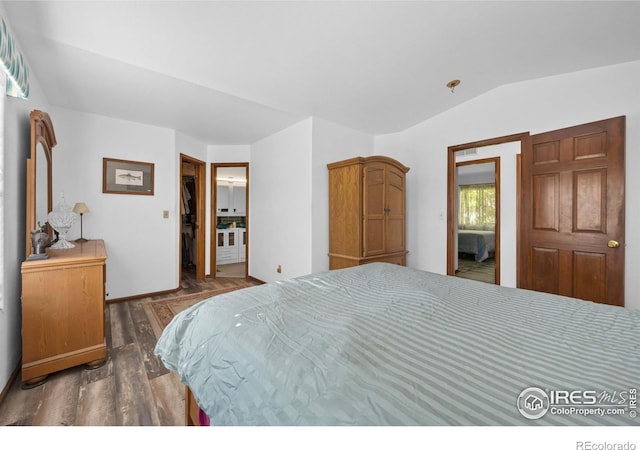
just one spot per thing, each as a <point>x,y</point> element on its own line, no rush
<point>229,153</point>
<point>468,175</point>
<point>280,204</point>
<point>289,196</point>
<point>331,143</point>
<point>3,95</point>
<point>142,246</point>
<point>536,106</point>
<point>191,147</point>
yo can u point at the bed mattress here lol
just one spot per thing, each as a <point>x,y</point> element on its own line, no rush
<point>479,243</point>
<point>381,344</point>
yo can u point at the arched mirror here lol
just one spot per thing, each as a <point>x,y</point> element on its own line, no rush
<point>39,174</point>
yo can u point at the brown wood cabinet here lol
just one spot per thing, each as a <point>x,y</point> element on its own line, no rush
<point>63,310</point>
<point>366,211</point>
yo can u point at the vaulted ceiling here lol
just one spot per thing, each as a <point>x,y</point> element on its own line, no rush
<point>233,72</point>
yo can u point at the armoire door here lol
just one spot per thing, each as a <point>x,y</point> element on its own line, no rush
<point>573,212</point>
<point>384,219</point>
<point>395,205</point>
<point>374,210</point>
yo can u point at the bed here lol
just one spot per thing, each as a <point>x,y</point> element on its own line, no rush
<point>381,344</point>
<point>480,243</point>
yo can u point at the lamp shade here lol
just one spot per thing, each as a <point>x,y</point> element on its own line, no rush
<point>80,208</point>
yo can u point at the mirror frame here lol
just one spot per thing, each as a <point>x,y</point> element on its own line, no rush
<point>41,133</point>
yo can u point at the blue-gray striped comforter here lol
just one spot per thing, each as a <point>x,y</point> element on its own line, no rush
<point>382,344</point>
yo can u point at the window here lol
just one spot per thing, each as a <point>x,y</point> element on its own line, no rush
<point>477,206</point>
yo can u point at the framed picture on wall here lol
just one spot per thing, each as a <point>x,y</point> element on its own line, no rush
<point>120,176</point>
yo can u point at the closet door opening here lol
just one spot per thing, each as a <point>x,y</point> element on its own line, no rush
<point>192,218</point>
<point>230,220</point>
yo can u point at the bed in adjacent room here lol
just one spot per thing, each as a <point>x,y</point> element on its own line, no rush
<point>381,344</point>
<point>479,243</point>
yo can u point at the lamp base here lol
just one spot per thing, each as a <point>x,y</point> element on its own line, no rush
<point>81,240</point>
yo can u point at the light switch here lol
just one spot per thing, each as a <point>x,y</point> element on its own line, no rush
<point>165,214</point>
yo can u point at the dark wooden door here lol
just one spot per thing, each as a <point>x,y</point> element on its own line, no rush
<point>573,212</point>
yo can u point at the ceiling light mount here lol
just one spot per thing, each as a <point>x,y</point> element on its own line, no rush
<point>453,84</point>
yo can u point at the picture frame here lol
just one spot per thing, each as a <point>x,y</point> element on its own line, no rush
<point>120,176</point>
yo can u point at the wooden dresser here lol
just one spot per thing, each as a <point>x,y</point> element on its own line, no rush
<point>366,211</point>
<point>63,310</point>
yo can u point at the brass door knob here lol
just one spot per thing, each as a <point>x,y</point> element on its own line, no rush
<point>613,244</point>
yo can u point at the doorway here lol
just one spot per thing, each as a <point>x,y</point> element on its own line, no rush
<point>230,219</point>
<point>503,156</point>
<point>192,218</point>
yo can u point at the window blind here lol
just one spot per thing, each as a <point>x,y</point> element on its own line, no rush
<point>13,63</point>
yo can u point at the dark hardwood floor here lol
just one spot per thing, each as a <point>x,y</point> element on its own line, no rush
<point>132,388</point>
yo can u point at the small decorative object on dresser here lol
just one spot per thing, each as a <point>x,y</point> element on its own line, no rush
<point>40,240</point>
<point>61,219</point>
<point>366,211</point>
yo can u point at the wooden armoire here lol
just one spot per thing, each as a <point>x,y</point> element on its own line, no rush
<point>366,211</point>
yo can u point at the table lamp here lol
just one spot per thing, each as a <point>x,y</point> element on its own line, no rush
<point>80,208</point>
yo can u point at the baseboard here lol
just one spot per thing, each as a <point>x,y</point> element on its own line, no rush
<point>139,296</point>
<point>169,291</point>
<point>256,280</point>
